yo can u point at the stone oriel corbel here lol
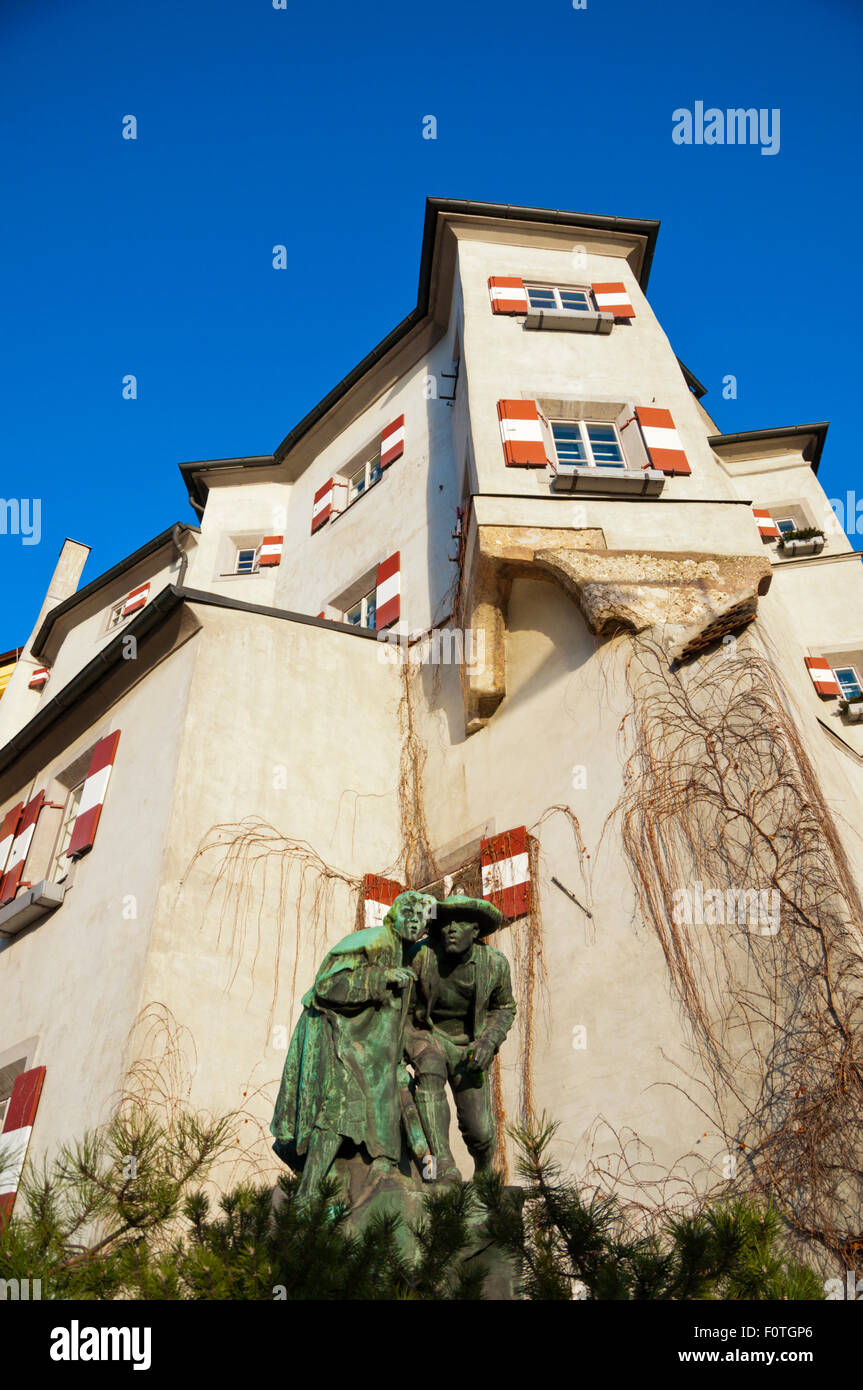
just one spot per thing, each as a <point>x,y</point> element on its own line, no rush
<point>692,599</point>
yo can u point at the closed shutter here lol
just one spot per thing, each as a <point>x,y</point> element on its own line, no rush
<point>136,599</point>
<point>379,894</point>
<point>662,440</point>
<point>15,1138</point>
<point>93,796</point>
<point>8,831</point>
<point>38,678</point>
<point>388,591</point>
<point>323,505</point>
<point>613,298</point>
<point>521,434</point>
<point>270,552</point>
<point>393,442</point>
<point>508,294</point>
<point>766,525</point>
<point>20,849</point>
<point>822,675</point>
<point>505,862</point>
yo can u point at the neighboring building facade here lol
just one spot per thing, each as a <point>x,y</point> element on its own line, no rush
<point>211,768</point>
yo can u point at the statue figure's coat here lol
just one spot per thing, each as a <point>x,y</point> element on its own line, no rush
<point>343,1068</point>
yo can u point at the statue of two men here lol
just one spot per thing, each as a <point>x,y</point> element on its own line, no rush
<point>382,999</point>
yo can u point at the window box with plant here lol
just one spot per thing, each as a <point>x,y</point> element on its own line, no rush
<point>807,541</point>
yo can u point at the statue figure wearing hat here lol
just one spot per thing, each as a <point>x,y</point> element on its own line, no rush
<point>461,1010</point>
<point>345,1083</point>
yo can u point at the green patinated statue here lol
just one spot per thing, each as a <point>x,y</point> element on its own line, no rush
<point>461,1010</point>
<point>344,1076</point>
<point>382,997</point>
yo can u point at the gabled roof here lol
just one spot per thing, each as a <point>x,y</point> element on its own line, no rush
<point>436,212</point>
<point>103,580</point>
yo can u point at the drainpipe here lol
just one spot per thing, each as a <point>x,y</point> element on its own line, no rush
<point>182,554</point>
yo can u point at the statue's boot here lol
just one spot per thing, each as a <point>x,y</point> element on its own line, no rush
<point>433,1109</point>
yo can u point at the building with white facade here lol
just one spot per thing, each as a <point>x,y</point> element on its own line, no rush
<point>212,767</point>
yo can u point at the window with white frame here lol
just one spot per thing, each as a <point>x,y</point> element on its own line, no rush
<point>363,612</point>
<point>364,477</point>
<point>587,443</point>
<point>785,524</point>
<point>560,297</point>
<point>60,863</point>
<point>246,560</point>
<point>116,615</point>
<point>8,1074</point>
<point>849,681</point>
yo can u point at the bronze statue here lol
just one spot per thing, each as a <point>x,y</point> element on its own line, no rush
<point>462,1009</point>
<point>344,1076</point>
<point>381,998</point>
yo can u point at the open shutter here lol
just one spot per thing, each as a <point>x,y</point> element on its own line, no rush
<point>20,849</point>
<point>613,298</point>
<point>393,442</point>
<point>521,434</point>
<point>38,678</point>
<point>506,872</point>
<point>766,525</point>
<point>136,599</point>
<point>822,675</point>
<point>270,552</point>
<point>93,796</point>
<point>662,440</point>
<point>508,294</point>
<point>8,831</point>
<point>323,505</point>
<point>388,591</point>
<point>379,894</point>
<point>15,1138</point>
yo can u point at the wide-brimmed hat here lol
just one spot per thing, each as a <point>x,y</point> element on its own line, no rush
<point>457,907</point>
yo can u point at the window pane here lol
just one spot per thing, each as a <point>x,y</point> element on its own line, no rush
<point>573,299</point>
<point>606,449</point>
<point>848,682</point>
<point>357,484</point>
<point>540,299</point>
<point>371,610</point>
<point>568,443</point>
<point>374,471</point>
<point>245,561</point>
<point>354,615</point>
<point>786,525</point>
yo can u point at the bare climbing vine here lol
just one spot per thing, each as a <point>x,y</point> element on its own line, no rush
<point>719,791</point>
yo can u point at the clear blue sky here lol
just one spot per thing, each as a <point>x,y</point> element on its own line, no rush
<point>259,126</point>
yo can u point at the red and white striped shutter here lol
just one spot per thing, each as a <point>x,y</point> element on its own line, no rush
<point>93,796</point>
<point>508,294</point>
<point>662,440</point>
<point>767,527</point>
<point>15,1138</point>
<point>393,442</point>
<point>379,894</point>
<point>612,298</point>
<point>822,675</point>
<point>20,848</point>
<point>505,864</point>
<point>323,505</point>
<point>8,831</point>
<point>521,434</point>
<point>270,551</point>
<point>38,678</point>
<point>388,591</point>
<point>136,599</point>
